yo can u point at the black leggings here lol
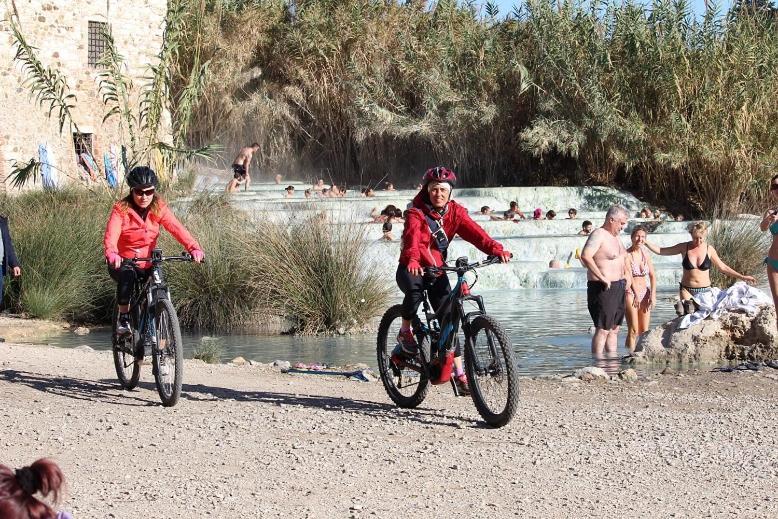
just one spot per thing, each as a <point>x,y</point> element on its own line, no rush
<point>125,277</point>
<point>413,287</point>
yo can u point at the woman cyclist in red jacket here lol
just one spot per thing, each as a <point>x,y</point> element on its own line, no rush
<point>132,232</point>
<point>434,211</point>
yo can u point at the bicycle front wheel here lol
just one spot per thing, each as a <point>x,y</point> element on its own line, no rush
<point>405,382</point>
<point>168,357</point>
<point>491,371</point>
<point>125,355</point>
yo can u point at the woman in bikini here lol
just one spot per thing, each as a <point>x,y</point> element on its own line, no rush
<point>770,221</point>
<point>698,257</point>
<point>641,294</point>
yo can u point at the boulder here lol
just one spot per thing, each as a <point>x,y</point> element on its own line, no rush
<point>734,336</point>
<point>628,375</point>
<point>238,361</point>
<point>591,373</point>
<point>283,365</point>
<point>81,330</point>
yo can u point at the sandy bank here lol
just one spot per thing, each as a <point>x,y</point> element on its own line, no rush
<point>251,442</point>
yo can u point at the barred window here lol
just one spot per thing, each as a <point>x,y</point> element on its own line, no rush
<point>96,46</point>
<point>83,143</point>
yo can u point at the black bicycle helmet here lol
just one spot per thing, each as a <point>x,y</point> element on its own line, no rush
<point>142,176</point>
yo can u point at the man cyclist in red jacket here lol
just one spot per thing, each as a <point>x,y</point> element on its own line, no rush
<point>433,211</point>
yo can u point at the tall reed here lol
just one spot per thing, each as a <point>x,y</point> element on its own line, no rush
<point>677,107</point>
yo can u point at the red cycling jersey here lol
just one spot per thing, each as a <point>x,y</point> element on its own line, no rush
<point>130,236</point>
<point>418,249</point>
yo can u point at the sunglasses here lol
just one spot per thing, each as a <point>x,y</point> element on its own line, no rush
<point>143,192</point>
<point>773,187</point>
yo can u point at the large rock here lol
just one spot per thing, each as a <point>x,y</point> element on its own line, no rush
<point>591,373</point>
<point>734,336</point>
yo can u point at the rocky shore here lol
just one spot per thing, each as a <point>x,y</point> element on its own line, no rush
<point>735,336</point>
<point>250,441</point>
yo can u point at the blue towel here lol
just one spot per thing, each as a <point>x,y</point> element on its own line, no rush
<point>48,174</point>
<point>110,174</point>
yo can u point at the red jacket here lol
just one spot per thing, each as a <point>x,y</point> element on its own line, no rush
<point>418,248</point>
<point>128,235</point>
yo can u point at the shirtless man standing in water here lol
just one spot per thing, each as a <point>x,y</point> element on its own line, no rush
<point>240,167</point>
<point>603,256</point>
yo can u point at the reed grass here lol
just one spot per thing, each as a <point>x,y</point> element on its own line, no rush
<point>253,271</point>
<point>58,238</point>
<point>648,97</point>
<point>219,294</point>
<point>317,274</point>
<point>742,245</point>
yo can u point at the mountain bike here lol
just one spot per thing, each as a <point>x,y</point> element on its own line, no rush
<point>155,329</point>
<point>488,353</point>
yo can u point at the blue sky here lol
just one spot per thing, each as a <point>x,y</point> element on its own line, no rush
<point>506,6</point>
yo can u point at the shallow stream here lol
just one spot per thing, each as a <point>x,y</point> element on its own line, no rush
<point>548,328</point>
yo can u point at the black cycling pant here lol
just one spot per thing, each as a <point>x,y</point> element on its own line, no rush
<point>126,276</point>
<point>413,288</point>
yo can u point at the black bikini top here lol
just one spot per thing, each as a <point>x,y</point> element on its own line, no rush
<point>687,265</point>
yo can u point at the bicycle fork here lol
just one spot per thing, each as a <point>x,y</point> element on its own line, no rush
<point>148,329</point>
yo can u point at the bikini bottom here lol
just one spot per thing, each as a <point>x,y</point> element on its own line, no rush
<point>771,262</point>
<point>694,291</point>
<point>642,293</point>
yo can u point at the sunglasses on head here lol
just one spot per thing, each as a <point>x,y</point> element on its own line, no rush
<point>143,192</point>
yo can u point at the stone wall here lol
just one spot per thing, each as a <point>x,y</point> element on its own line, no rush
<point>59,30</point>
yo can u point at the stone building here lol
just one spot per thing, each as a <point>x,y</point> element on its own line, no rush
<point>69,36</point>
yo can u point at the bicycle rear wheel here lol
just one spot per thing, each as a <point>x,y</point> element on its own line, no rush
<point>491,371</point>
<point>125,359</point>
<point>407,387</point>
<point>168,357</point>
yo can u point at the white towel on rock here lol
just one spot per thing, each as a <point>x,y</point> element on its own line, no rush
<point>713,303</point>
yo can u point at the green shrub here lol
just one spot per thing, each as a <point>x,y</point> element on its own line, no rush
<point>58,238</point>
<point>308,270</point>
<point>220,293</point>
<point>316,274</point>
<point>209,350</point>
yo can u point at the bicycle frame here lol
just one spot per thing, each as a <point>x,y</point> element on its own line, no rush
<point>148,292</point>
<point>450,316</point>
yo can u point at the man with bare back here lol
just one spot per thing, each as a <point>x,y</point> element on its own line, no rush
<point>603,256</point>
<point>240,167</point>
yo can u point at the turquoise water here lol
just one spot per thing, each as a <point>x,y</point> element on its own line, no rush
<point>548,328</point>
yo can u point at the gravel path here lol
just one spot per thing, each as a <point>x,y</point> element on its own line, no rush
<point>247,441</point>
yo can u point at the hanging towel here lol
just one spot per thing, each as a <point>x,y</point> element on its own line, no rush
<point>110,174</point>
<point>118,166</point>
<point>89,164</point>
<point>713,303</point>
<point>49,175</point>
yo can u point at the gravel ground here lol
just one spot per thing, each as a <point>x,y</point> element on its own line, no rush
<point>247,441</point>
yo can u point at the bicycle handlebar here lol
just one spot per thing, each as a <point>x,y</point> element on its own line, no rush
<point>185,256</point>
<point>490,260</point>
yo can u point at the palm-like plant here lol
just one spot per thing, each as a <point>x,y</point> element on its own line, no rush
<point>140,120</point>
